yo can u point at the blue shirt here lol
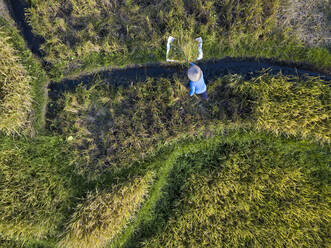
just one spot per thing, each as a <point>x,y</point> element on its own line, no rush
<point>197,87</point>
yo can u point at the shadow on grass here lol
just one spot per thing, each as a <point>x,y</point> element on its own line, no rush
<point>213,69</point>
<point>17,10</point>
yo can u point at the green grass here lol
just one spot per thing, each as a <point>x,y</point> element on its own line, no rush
<point>245,190</point>
<point>119,33</point>
<point>149,166</point>
<point>117,126</point>
<point>37,187</point>
<point>15,99</point>
<point>37,77</point>
<point>292,174</point>
<point>299,107</point>
<point>25,244</point>
<point>158,206</point>
<point>105,214</point>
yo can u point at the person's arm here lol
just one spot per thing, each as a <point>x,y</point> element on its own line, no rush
<point>192,89</point>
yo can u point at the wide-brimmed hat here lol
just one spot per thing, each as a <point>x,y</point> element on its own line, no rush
<point>194,73</point>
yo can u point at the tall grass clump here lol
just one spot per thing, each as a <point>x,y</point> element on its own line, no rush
<point>105,214</point>
<point>35,187</point>
<point>296,106</point>
<point>184,48</point>
<point>15,91</point>
<point>250,191</point>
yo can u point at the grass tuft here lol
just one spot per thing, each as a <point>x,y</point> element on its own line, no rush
<point>298,107</point>
<point>30,88</point>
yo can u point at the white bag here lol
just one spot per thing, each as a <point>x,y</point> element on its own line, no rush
<point>171,39</point>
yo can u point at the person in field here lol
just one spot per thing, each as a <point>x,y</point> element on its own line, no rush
<point>197,83</point>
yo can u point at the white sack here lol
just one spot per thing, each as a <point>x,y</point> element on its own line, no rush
<point>171,39</point>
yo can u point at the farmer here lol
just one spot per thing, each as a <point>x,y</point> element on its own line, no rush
<point>197,84</point>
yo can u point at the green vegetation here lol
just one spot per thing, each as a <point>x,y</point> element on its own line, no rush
<point>184,49</point>
<point>81,34</point>
<point>36,186</point>
<point>97,120</point>
<point>238,181</point>
<point>298,108</point>
<point>25,81</point>
<point>104,214</point>
<point>147,165</point>
<point>248,190</point>
<point>110,127</point>
<point>15,99</point>
<point>117,134</point>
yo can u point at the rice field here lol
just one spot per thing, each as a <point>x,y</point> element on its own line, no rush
<point>134,161</point>
<point>85,34</point>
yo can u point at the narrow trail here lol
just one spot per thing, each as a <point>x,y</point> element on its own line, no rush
<point>212,70</point>
<point>17,11</point>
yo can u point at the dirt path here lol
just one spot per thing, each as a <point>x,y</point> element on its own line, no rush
<point>247,68</point>
<point>212,70</point>
<point>17,12</point>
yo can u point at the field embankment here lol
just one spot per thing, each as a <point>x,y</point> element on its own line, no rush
<point>17,11</point>
<point>23,85</point>
<point>241,181</point>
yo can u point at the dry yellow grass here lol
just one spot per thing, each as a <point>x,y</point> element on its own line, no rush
<point>15,98</point>
<point>300,108</point>
<point>105,214</point>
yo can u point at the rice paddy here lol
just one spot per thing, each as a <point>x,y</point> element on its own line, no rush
<point>115,159</point>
